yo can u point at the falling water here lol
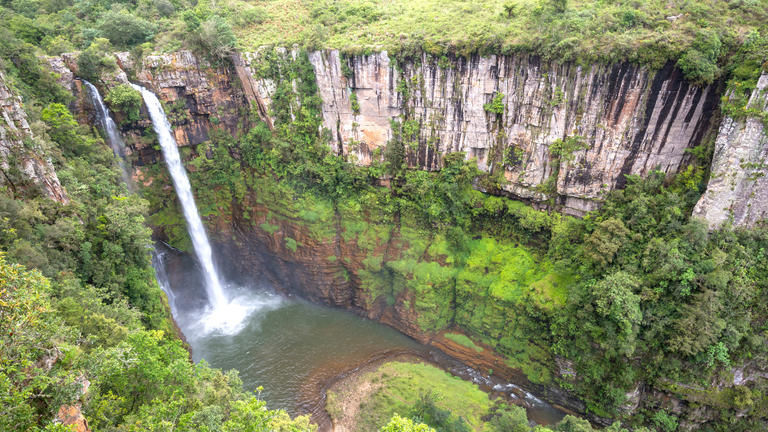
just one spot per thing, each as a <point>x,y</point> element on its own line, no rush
<point>110,129</point>
<point>184,190</point>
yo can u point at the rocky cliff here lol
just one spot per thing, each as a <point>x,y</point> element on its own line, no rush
<point>738,186</point>
<point>615,120</point>
<point>22,158</point>
<point>632,120</point>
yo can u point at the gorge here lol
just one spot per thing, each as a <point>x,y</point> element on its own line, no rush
<point>380,214</point>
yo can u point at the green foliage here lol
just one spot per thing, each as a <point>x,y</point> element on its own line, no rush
<point>650,32</point>
<point>125,29</point>
<point>125,100</point>
<point>563,149</point>
<point>508,418</point>
<point>699,62</point>
<point>354,103</point>
<point>19,60</point>
<point>63,129</point>
<point>654,290</point>
<point>96,60</point>
<point>665,422</point>
<point>400,424</point>
<point>496,105</point>
<point>28,329</point>
<point>462,339</point>
<point>423,392</point>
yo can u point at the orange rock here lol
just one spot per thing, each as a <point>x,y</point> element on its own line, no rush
<point>71,415</point>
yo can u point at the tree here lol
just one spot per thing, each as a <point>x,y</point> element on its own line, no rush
<point>616,301</point>
<point>400,424</point>
<point>96,59</point>
<point>125,29</point>
<point>125,100</point>
<point>558,6</point>
<point>606,241</point>
<point>215,37</point>
<point>63,128</point>
<point>28,329</point>
<point>509,418</point>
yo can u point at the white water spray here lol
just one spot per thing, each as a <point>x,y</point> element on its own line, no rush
<point>222,315</point>
<point>114,139</point>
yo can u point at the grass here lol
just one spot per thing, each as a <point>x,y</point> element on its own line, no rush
<point>650,31</point>
<point>463,340</point>
<point>402,384</point>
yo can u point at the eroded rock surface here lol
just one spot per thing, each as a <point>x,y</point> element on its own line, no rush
<point>738,186</point>
<point>633,120</point>
<point>630,119</point>
<point>22,158</point>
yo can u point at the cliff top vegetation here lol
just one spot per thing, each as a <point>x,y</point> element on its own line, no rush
<point>699,35</point>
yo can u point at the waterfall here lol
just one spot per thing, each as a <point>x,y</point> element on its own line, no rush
<point>195,228</point>
<point>158,263</point>
<point>110,130</point>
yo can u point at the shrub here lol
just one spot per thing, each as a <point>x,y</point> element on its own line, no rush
<point>96,59</point>
<point>354,103</point>
<point>126,101</point>
<point>124,29</point>
<point>215,37</point>
<point>496,106</point>
<point>699,63</point>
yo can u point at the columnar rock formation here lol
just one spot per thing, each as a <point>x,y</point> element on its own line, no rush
<point>624,119</point>
<point>19,151</point>
<point>632,120</point>
<point>738,186</point>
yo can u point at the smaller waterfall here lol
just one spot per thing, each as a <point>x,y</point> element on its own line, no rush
<point>223,315</point>
<point>110,130</point>
<point>158,263</point>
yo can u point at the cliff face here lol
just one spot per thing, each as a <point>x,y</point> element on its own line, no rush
<point>631,119</point>
<point>625,119</point>
<point>620,119</point>
<point>21,157</point>
<point>738,186</point>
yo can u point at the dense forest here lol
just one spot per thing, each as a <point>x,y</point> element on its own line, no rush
<point>637,295</point>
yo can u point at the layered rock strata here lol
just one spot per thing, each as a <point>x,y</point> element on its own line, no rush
<point>626,118</point>
<point>738,186</point>
<point>615,120</point>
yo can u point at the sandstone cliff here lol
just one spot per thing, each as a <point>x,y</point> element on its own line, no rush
<point>738,188</point>
<point>626,118</point>
<point>22,159</point>
<point>631,119</point>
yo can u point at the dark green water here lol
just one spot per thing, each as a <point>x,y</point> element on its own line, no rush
<point>291,348</point>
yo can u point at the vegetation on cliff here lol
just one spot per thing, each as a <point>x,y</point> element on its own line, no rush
<point>698,35</point>
<point>88,328</point>
<point>634,294</point>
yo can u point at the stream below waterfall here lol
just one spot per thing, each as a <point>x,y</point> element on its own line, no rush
<point>295,349</point>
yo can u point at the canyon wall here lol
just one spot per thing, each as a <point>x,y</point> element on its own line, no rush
<point>617,120</point>
<point>22,158</point>
<point>738,186</point>
<point>632,120</point>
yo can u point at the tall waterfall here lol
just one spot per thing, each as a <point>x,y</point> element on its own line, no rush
<point>110,129</point>
<point>184,191</point>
